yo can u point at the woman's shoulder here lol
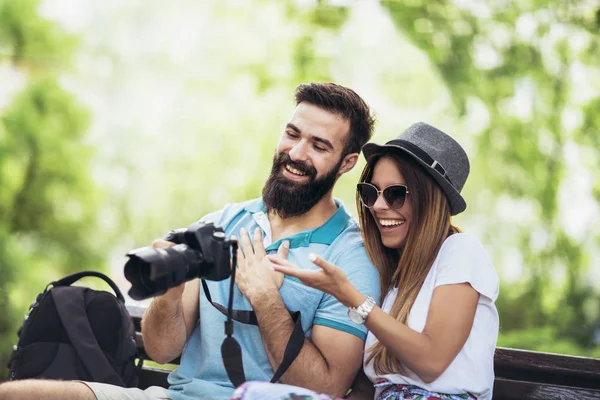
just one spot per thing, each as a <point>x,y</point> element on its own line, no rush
<point>463,258</point>
<point>462,243</point>
<point>462,239</point>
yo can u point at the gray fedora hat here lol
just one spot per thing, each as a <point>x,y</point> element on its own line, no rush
<point>437,152</point>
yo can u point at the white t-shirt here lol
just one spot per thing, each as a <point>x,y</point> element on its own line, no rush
<point>461,259</point>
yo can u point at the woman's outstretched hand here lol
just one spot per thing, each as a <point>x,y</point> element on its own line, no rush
<point>328,278</point>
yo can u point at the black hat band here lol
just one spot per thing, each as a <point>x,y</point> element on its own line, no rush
<point>416,150</point>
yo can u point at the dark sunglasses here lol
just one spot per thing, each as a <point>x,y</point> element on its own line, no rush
<point>394,195</point>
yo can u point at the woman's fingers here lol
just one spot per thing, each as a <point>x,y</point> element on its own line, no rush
<point>292,271</point>
<point>319,262</point>
<point>278,260</point>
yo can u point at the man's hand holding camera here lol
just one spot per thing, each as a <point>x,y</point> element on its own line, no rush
<point>254,275</point>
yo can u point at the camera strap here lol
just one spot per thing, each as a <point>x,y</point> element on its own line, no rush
<point>230,349</point>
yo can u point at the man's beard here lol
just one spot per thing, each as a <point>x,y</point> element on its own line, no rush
<point>288,198</point>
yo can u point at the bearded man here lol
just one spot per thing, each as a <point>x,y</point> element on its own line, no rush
<point>297,216</point>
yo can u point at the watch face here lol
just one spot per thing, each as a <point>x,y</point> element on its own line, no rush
<point>355,317</point>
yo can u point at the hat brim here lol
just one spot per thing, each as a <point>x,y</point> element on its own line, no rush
<point>457,202</point>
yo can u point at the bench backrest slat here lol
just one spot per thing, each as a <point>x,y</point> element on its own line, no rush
<point>550,368</point>
<point>505,389</point>
<point>520,374</point>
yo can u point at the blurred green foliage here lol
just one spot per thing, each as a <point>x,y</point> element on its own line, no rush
<point>510,71</point>
<point>48,199</point>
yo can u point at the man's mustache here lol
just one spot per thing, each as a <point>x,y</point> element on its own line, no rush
<point>284,159</point>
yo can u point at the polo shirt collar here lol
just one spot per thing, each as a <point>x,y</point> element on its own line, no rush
<point>324,234</point>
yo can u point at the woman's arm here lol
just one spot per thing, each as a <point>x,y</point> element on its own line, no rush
<point>448,324</point>
<point>429,353</point>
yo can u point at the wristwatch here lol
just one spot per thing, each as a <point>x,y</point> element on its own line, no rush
<point>359,314</point>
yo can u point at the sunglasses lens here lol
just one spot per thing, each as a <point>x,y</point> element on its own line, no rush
<point>395,196</point>
<point>367,193</point>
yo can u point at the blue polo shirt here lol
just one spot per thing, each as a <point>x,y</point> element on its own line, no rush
<point>201,373</point>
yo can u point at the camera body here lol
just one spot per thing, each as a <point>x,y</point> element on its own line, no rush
<point>201,251</point>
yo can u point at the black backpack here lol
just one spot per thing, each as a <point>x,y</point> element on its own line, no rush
<point>77,333</point>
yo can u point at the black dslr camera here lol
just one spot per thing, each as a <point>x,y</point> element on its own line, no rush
<point>201,251</point>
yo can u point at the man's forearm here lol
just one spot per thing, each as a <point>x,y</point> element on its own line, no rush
<point>310,369</point>
<point>163,330</point>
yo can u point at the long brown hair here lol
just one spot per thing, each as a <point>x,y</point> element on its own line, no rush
<point>408,267</point>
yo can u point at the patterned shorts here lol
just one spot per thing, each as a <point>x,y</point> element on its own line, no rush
<point>276,391</point>
<point>269,391</point>
<point>409,392</point>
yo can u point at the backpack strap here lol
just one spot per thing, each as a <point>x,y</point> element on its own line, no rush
<point>70,304</point>
<point>70,279</point>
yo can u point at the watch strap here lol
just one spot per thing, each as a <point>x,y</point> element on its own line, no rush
<point>365,308</point>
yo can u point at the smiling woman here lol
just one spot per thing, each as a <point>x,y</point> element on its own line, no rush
<point>392,210</point>
<point>438,317</point>
<point>440,283</point>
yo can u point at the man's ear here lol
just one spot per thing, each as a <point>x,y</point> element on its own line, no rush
<point>349,162</point>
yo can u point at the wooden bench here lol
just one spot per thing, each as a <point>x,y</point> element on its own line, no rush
<point>520,374</point>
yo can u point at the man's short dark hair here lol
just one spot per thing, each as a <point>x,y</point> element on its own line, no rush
<point>344,102</point>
